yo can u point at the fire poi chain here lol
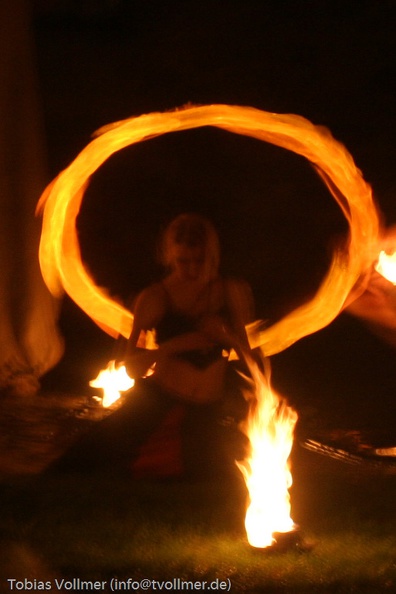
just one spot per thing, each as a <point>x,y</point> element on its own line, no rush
<point>270,426</point>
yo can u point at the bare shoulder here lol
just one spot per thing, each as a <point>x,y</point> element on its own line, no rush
<point>154,292</point>
<point>238,288</point>
<point>239,297</point>
<point>236,285</point>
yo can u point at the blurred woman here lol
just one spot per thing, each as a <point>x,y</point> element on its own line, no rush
<point>197,318</point>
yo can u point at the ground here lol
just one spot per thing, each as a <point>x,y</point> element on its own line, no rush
<point>35,430</point>
<point>342,497</point>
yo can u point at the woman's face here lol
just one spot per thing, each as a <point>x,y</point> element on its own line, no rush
<point>188,262</point>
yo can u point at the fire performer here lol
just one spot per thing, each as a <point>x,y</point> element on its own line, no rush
<point>198,317</point>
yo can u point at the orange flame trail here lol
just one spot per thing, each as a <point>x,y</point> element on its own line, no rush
<point>60,256</point>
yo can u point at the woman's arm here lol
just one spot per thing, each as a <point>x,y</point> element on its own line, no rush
<point>231,333</point>
<point>148,310</point>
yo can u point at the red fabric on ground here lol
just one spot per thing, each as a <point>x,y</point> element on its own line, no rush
<point>161,455</point>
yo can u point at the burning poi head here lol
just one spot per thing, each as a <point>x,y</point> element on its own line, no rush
<point>113,380</point>
<point>62,266</point>
<point>386,266</point>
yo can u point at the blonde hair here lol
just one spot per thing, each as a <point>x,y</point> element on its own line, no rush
<point>192,231</point>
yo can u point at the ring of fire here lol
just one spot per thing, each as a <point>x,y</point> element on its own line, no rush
<point>60,256</point>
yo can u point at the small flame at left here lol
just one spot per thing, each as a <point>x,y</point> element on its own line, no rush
<point>113,380</point>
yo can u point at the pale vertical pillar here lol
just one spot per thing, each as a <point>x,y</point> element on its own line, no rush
<point>29,339</point>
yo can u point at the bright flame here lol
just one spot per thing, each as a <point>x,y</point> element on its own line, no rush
<point>386,266</point>
<point>270,427</point>
<point>112,380</point>
<point>60,256</point>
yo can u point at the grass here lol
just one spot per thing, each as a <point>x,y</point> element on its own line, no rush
<point>101,527</point>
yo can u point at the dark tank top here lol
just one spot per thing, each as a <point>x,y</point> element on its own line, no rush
<point>175,323</point>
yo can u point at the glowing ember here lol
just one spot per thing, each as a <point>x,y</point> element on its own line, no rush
<point>270,426</point>
<point>112,380</point>
<point>386,266</point>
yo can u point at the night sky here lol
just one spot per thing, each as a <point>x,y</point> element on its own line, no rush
<point>333,62</point>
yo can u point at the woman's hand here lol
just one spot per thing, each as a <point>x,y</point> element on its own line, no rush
<point>140,361</point>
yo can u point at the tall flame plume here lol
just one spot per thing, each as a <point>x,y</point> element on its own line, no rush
<point>266,470</point>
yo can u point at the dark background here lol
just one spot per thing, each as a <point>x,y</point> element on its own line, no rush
<point>332,62</point>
